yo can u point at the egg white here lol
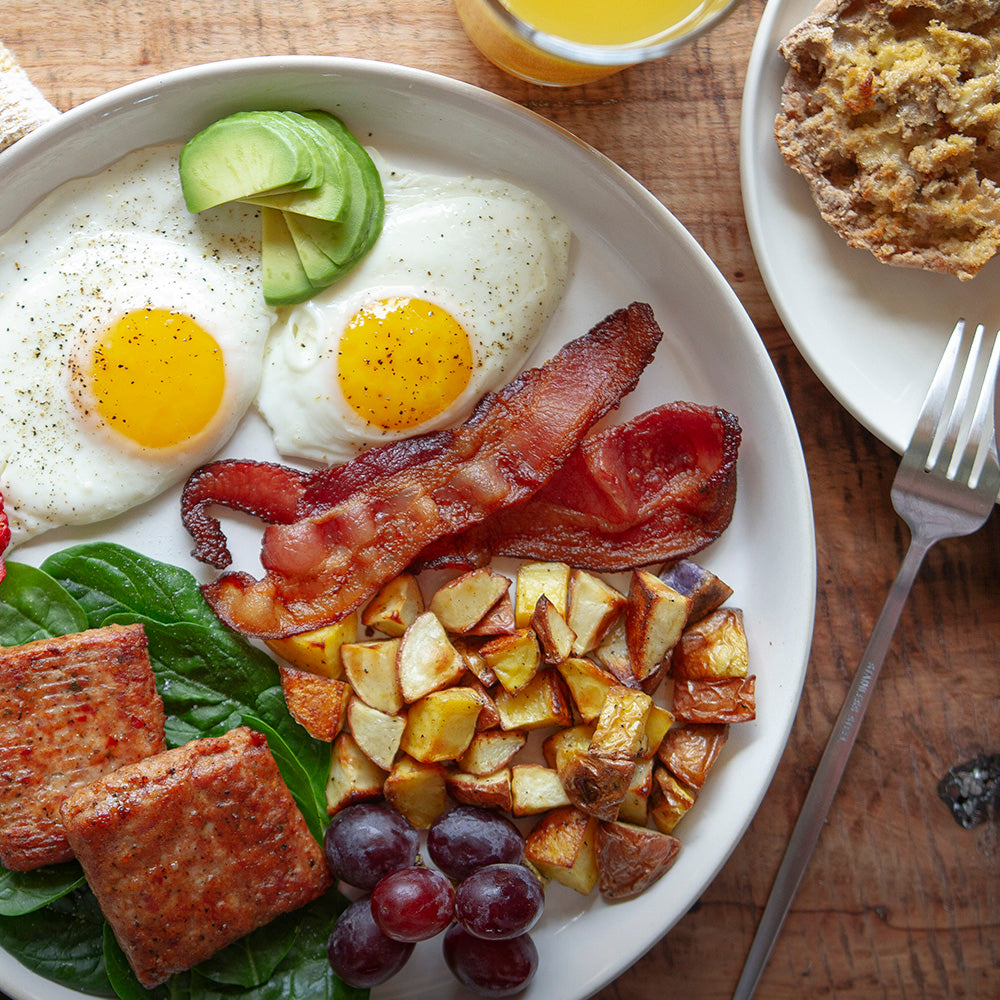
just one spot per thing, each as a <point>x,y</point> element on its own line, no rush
<point>93,251</point>
<point>493,255</point>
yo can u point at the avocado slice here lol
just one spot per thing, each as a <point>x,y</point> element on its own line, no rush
<point>330,200</point>
<point>319,268</point>
<point>285,279</point>
<point>356,234</point>
<point>246,154</point>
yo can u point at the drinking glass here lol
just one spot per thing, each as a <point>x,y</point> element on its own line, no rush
<point>562,43</point>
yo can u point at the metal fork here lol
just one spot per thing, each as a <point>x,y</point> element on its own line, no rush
<point>946,486</point>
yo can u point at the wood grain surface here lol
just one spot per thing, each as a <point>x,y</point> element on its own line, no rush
<point>899,901</point>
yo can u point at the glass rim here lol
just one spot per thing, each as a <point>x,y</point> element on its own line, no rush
<point>614,55</point>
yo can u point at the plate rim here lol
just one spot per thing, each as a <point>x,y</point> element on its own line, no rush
<point>119,99</point>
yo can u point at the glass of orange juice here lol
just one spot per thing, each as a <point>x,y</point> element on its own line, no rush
<point>565,42</point>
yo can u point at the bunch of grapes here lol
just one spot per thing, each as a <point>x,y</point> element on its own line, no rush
<point>480,895</point>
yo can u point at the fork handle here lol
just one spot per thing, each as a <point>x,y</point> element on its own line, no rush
<point>829,772</point>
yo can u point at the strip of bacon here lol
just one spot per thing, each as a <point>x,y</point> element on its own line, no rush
<point>272,492</point>
<point>658,488</point>
<point>280,494</point>
<point>321,567</point>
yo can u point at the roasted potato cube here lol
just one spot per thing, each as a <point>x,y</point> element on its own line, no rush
<point>463,602</point>
<point>426,660</point>
<point>563,847</point>
<point>370,669</point>
<point>690,752</point>
<point>564,744</point>
<point>535,789</point>
<point>542,702</point>
<point>440,726</point>
<point>621,726</point>
<point>713,648</point>
<point>631,858</point>
<point>395,607</point>
<point>655,617</point>
<point>514,658</point>
<point>317,651</point>
<point>535,579</point>
<point>554,635</point>
<point>377,734</point>
<point>491,750</point>
<point>598,785</point>
<point>658,724</point>
<point>669,800</point>
<point>489,717</point>
<point>731,699</point>
<point>613,655</point>
<point>705,590</point>
<point>499,620</point>
<point>594,606</point>
<point>588,685</point>
<point>487,791</point>
<point>635,805</point>
<point>475,662</point>
<point>417,790</point>
<point>353,776</point>
<point>319,704</point>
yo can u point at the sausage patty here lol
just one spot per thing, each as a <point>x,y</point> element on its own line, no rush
<point>71,709</point>
<point>193,848</point>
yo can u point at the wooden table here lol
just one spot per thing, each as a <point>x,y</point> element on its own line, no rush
<point>899,901</point>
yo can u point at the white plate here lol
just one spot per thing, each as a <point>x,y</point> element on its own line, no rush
<point>873,333</point>
<point>626,247</point>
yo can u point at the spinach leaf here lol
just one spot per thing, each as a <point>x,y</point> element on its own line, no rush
<point>211,679</point>
<point>63,943</point>
<point>25,892</point>
<point>304,972</point>
<point>34,606</point>
<point>252,960</point>
<point>106,578</point>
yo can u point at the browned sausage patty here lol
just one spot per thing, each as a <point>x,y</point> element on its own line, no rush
<point>71,709</point>
<point>193,848</point>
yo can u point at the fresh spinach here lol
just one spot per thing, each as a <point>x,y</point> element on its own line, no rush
<point>211,679</point>
<point>25,892</point>
<point>62,942</point>
<point>34,606</point>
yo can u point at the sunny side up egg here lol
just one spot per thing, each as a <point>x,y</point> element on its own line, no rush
<point>448,305</point>
<point>131,338</point>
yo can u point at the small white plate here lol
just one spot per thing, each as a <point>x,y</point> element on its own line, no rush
<point>872,332</point>
<point>626,247</point>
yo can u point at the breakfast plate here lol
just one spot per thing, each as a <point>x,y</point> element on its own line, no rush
<point>873,333</point>
<point>626,246</point>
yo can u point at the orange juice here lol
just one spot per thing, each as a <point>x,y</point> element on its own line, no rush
<point>598,22</point>
<point>566,42</point>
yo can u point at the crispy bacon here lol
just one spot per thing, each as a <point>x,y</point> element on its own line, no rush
<point>658,488</point>
<point>323,566</point>
<point>272,492</point>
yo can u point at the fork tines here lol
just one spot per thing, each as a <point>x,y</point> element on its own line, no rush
<point>967,371</point>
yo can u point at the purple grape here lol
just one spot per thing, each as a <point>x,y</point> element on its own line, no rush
<point>413,904</point>
<point>359,953</point>
<point>490,968</point>
<point>499,901</point>
<point>466,838</point>
<point>366,842</point>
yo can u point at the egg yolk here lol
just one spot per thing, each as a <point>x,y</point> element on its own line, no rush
<point>402,362</point>
<point>157,377</point>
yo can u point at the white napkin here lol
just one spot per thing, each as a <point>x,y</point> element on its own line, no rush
<point>22,106</point>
